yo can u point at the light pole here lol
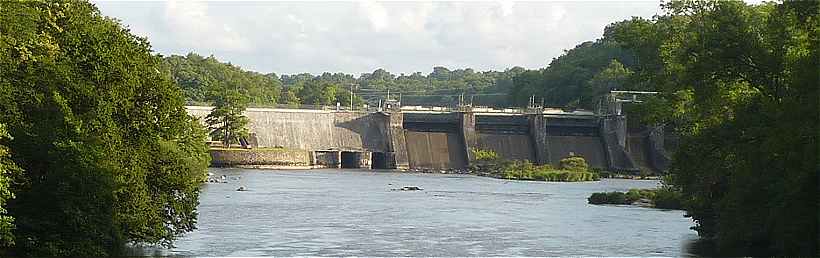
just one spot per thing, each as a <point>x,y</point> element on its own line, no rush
<point>351,95</point>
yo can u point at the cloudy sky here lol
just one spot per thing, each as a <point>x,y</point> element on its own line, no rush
<point>358,37</point>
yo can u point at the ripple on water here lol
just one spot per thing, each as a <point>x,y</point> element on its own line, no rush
<point>354,213</point>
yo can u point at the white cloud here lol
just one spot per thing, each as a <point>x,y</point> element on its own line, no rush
<point>376,13</point>
<point>507,7</point>
<point>357,37</point>
<point>193,27</point>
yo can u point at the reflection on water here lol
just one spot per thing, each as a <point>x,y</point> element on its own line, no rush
<point>354,213</point>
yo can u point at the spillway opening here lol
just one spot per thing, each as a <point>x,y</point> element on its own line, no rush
<point>350,159</point>
<point>379,160</point>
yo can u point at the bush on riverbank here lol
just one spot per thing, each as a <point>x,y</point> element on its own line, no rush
<point>524,170</point>
<point>574,163</point>
<point>661,198</point>
<point>573,169</point>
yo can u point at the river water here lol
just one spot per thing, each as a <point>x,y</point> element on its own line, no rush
<point>355,213</point>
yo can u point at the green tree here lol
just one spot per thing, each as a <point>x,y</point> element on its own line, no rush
<point>289,97</point>
<point>740,85</point>
<point>198,76</point>
<point>316,92</point>
<point>108,153</point>
<point>565,82</point>
<point>613,77</point>
<point>8,171</point>
<point>226,121</point>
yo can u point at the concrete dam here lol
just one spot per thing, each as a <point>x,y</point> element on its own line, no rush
<point>437,139</point>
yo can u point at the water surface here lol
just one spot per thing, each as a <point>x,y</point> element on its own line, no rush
<point>355,213</point>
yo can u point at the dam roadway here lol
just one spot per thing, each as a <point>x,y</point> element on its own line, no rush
<point>440,139</point>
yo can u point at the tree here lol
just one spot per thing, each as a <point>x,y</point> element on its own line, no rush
<point>613,77</point>
<point>289,97</point>
<point>565,82</point>
<point>108,153</point>
<point>8,171</point>
<point>316,92</point>
<point>197,76</point>
<point>740,85</point>
<point>226,121</point>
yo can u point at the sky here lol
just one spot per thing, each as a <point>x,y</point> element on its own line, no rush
<point>359,37</point>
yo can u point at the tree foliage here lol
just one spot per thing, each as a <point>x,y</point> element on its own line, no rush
<point>108,152</point>
<point>226,122</point>
<point>739,84</point>
<point>198,76</point>
<point>8,171</point>
<point>569,81</point>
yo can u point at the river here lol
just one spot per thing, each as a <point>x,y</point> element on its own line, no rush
<point>355,213</point>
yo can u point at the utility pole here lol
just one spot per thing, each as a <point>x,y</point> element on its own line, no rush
<point>351,97</point>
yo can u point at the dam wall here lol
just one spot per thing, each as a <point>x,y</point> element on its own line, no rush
<point>506,135</point>
<point>435,140</point>
<point>314,129</point>
<point>444,140</point>
<point>575,136</point>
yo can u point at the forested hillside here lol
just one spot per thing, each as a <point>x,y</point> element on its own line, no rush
<point>199,76</point>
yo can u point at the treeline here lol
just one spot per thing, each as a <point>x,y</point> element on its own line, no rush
<point>739,84</point>
<point>576,79</point>
<point>579,77</point>
<point>200,77</point>
<point>96,148</point>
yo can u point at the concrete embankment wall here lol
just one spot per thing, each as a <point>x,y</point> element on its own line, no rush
<point>313,129</point>
<point>260,157</point>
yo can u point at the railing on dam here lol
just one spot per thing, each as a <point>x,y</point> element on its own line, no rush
<point>417,109</point>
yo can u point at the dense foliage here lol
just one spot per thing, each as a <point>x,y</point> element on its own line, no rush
<point>578,78</point>
<point>201,77</point>
<point>574,163</point>
<point>108,154</point>
<point>525,170</point>
<point>572,169</point>
<point>226,121</point>
<point>8,171</point>
<point>739,84</point>
<point>661,198</point>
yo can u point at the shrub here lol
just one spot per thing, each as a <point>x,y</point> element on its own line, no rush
<point>608,198</point>
<point>484,155</point>
<point>574,163</point>
<point>667,198</point>
<point>661,198</point>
